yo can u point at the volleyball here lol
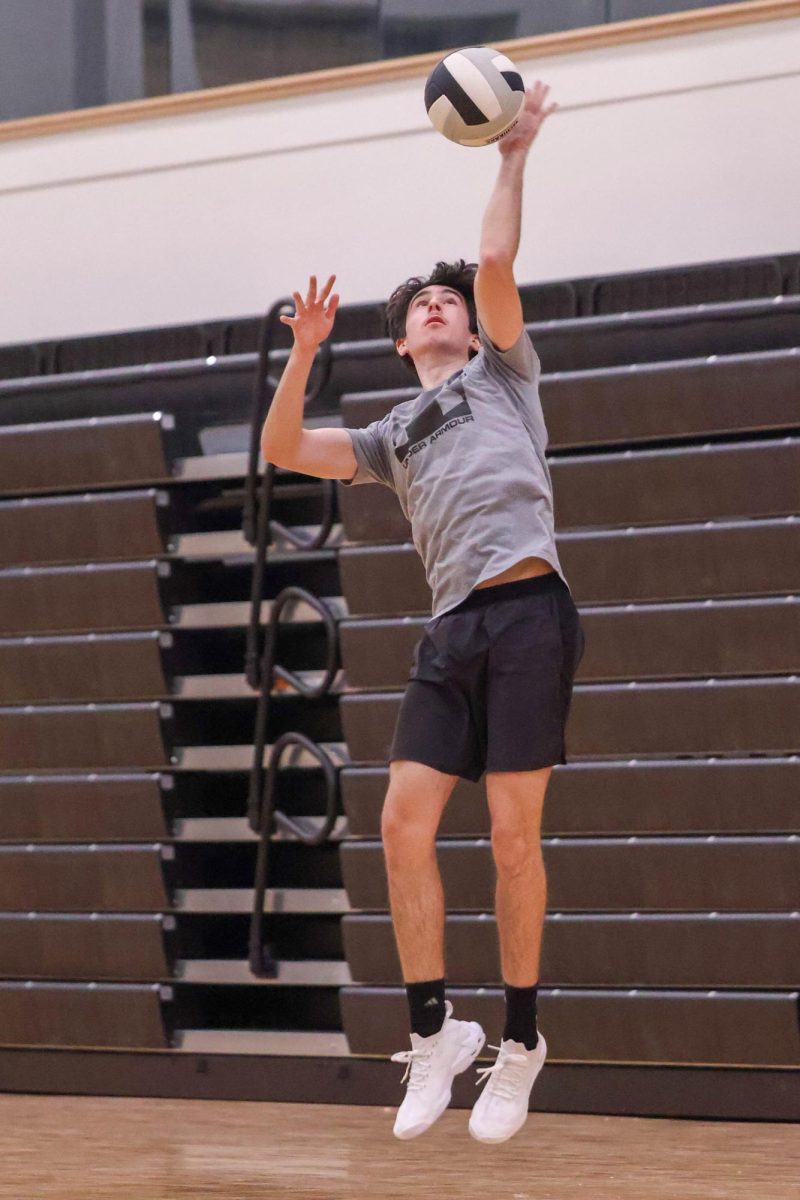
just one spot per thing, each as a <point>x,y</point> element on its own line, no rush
<point>474,96</point>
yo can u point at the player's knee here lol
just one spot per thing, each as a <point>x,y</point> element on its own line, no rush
<point>513,848</point>
<point>406,834</point>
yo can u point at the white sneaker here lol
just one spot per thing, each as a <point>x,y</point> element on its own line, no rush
<point>433,1063</point>
<point>502,1108</point>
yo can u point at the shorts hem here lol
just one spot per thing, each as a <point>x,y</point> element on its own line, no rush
<point>536,765</point>
<point>435,766</point>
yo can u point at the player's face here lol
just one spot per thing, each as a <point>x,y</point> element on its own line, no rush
<point>437,317</point>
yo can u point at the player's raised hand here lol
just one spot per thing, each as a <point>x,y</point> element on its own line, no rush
<point>313,317</point>
<point>534,113</point>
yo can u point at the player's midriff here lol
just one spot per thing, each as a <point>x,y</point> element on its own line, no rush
<point>524,569</point>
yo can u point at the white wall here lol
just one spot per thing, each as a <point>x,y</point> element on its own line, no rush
<point>663,152</point>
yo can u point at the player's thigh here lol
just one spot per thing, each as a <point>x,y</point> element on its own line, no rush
<point>516,802</point>
<point>525,687</point>
<point>415,799</point>
<point>439,725</point>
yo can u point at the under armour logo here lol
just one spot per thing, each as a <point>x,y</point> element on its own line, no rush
<point>433,1002</point>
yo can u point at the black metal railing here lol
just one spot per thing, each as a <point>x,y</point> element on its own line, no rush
<point>260,955</point>
<point>263,391</point>
<point>261,670</point>
<point>262,814</point>
<point>268,670</point>
<point>258,524</point>
<point>266,527</point>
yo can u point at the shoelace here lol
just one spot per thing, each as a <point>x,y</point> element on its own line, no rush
<point>505,1073</point>
<point>419,1065</point>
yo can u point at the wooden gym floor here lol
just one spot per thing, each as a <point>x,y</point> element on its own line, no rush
<point>86,1148</point>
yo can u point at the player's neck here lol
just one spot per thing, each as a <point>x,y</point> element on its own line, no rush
<point>435,370</point>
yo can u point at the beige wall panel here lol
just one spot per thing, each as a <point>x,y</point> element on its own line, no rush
<point>663,152</point>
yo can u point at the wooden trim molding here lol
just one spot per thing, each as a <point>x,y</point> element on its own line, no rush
<point>571,41</point>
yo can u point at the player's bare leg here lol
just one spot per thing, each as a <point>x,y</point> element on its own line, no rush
<point>415,801</point>
<point>516,799</point>
<point>441,1047</point>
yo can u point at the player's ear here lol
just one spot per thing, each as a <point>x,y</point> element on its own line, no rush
<point>402,348</point>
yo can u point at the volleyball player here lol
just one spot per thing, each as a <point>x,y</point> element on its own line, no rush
<point>491,680</point>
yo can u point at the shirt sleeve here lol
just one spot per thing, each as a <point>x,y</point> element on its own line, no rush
<point>372,455</point>
<point>520,359</point>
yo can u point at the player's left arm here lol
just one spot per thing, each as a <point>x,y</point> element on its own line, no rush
<point>496,296</point>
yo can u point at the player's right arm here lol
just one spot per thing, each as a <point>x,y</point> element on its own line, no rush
<point>496,296</point>
<point>326,453</point>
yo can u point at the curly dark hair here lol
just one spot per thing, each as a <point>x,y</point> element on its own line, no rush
<point>460,276</point>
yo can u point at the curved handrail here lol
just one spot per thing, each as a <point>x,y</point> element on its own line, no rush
<point>266,337</point>
<point>262,963</point>
<point>263,675</point>
<point>257,524</point>
<point>263,392</point>
<point>265,525</point>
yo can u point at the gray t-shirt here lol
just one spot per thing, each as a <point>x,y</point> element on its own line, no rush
<point>466,460</point>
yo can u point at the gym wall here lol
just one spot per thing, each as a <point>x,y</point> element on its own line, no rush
<point>663,152</point>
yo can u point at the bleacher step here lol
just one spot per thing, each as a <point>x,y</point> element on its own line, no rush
<point>307,973</point>
<point>203,468</point>
<point>237,829</point>
<point>227,543</point>
<point>277,900</point>
<point>236,687</point>
<point>287,1043</point>
<point>236,614</point>
<point>240,758</point>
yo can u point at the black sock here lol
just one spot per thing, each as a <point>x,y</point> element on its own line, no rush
<point>521,1015</point>
<point>426,1006</point>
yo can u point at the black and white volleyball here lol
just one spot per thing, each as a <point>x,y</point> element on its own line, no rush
<point>474,96</point>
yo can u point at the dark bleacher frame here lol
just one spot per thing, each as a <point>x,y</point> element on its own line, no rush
<point>166,835</point>
<point>589,296</point>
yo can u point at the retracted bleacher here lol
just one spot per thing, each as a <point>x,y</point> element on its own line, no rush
<point>126,722</point>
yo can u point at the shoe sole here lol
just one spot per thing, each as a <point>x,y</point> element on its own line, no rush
<point>465,1059</point>
<point>495,1141</point>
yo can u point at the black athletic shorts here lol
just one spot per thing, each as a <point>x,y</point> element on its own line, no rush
<point>491,681</point>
